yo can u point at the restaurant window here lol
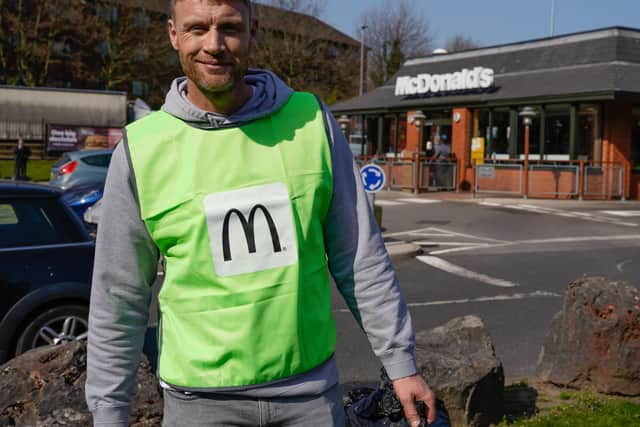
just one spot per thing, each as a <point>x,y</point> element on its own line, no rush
<point>588,137</point>
<point>557,134</point>
<point>499,134</point>
<point>480,128</point>
<point>635,140</point>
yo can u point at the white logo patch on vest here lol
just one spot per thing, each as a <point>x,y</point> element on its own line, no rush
<point>251,229</point>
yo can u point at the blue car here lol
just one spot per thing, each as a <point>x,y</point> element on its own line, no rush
<point>80,198</point>
<point>46,262</point>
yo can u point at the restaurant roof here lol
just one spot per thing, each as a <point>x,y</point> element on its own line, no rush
<point>598,63</point>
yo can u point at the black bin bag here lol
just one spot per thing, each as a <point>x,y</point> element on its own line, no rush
<point>368,407</point>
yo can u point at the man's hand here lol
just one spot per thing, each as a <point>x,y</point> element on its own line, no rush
<point>413,388</point>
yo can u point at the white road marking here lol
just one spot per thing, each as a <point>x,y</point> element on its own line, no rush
<point>406,233</point>
<point>470,236</point>
<point>469,248</point>
<point>621,265</point>
<point>419,201</point>
<point>388,203</point>
<point>570,214</point>
<point>578,239</point>
<point>430,243</point>
<point>518,296</point>
<point>626,214</point>
<point>441,264</point>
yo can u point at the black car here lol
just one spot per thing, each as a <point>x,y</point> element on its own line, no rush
<point>46,262</point>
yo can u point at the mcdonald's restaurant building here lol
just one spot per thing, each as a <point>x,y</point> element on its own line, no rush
<point>553,117</point>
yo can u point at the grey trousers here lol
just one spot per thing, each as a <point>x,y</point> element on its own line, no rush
<point>181,410</point>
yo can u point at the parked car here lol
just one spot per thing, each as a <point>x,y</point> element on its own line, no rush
<point>46,262</point>
<point>82,197</point>
<point>82,167</point>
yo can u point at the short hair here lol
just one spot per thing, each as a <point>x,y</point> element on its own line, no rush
<point>172,7</point>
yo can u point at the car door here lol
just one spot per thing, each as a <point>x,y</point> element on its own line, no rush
<point>41,246</point>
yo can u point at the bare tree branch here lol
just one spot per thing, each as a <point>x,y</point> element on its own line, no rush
<point>395,32</point>
<point>459,42</point>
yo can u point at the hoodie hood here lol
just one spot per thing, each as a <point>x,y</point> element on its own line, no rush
<point>269,95</point>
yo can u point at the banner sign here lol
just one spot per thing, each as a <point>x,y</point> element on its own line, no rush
<point>71,138</point>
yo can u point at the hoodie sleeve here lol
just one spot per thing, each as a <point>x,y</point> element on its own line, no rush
<point>124,271</point>
<point>360,265</point>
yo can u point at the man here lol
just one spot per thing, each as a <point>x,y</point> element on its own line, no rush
<point>21,155</point>
<point>248,190</point>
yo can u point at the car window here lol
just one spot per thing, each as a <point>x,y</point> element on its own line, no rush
<point>35,221</point>
<point>64,159</point>
<point>7,215</point>
<point>101,160</point>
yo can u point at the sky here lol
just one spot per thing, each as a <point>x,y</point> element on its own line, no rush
<point>492,22</point>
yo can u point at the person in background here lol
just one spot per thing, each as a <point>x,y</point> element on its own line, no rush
<point>21,155</point>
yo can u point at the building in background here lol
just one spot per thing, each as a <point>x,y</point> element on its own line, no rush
<point>123,46</point>
<point>583,93</point>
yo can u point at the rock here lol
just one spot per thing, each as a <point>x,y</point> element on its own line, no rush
<point>45,387</point>
<point>594,342</point>
<point>459,363</point>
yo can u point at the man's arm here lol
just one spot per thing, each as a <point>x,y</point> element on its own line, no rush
<point>362,269</point>
<point>124,270</point>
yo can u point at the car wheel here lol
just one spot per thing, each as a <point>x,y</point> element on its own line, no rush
<point>55,326</point>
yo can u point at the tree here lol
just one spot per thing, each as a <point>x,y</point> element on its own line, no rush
<point>459,42</point>
<point>394,32</point>
<point>302,50</point>
<point>28,30</point>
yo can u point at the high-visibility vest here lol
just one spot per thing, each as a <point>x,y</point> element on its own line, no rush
<point>238,214</point>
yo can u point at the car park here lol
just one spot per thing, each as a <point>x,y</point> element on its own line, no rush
<point>46,263</point>
<point>82,167</point>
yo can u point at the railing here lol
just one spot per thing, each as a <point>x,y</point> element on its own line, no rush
<point>559,179</point>
<point>437,175</point>
<point>552,179</point>
<point>603,180</point>
<point>402,173</point>
<point>501,177</point>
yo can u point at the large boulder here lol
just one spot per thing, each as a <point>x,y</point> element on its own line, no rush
<point>594,342</point>
<point>45,387</point>
<point>459,363</point>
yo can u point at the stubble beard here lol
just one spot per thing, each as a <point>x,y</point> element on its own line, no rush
<point>207,86</point>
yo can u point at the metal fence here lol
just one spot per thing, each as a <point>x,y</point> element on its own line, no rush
<point>551,179</point>
<point>501,178</point>
<point>402,174</point>
<point>437,175</point>
<point>604,180</point>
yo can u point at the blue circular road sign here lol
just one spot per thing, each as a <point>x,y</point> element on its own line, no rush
<point>373,178</point>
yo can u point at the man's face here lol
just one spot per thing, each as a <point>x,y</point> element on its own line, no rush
<point>213,39</point>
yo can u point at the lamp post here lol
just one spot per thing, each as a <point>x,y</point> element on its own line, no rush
<point>418,119</point>
<point>362,138</point>
<point>344,123</point>
<point>527,114</point>
<point>362,33</point>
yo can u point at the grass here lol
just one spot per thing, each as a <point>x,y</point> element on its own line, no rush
<point>584,409</point>
<point>37,170</point>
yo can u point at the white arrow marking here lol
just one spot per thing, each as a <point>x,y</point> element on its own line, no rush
<point>441,264</point>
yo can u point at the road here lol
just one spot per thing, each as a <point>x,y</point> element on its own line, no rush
<point>508,261</point>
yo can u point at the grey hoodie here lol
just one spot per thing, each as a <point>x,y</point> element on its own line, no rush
<point>127,258</point>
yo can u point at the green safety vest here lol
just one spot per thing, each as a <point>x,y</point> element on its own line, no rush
<point>238,214</point>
